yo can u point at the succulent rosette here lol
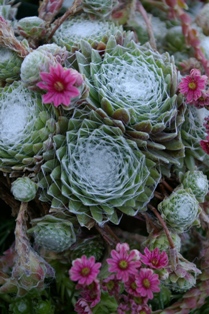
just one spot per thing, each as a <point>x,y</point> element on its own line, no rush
<point>99,8</point>
<point>53,233</point>
<point>35,62</point>
<point>180,209</point>
<point>98,174</point>
<point>10,64</point>
<point>74,30</point>
<point>26,126</point>
<point>183,277</point>
<point>192,133</point>
<point>136,86</point>
<point>197,182</point>
<point>31,27</point>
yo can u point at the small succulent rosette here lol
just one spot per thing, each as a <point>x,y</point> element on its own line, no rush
<point>99,8</point>
<point>24,189</point>
<point>81,27</point>
<point>192,132</point>
<point>90,246</point>
<point>35,62</point>
<point>180,209</point>
<point>160,240</point>
<point>197,181</point>
<point>136,87</point>
<point>10,64</point>
<point>32,27</point>
<point>26,128</point>
<point>97,174</point>
<point>183,277</point>
<point>53,233</point>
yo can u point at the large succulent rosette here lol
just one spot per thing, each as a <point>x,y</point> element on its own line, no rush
<point>26,127</point>
<point>136,87</point>
<point>97,174</point>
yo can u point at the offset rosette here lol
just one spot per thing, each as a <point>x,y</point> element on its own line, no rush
<point>137,86</point>
<point>99,8</point>
<point>26,125</point>
<point>180,209</point>
<point>53,233</point>
<point>99,173</point>
<point>81,27</point>
<point>10,64</point>
<point>192,132</point>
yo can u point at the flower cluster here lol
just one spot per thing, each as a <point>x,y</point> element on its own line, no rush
<point>132,279</point>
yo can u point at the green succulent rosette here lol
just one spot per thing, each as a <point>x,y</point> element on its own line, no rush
<point>137,86</point>
<point>180,209</point>
<point>92,246</point>
<point>197,182</point>
<point>98,174</point>
<point>99,8</point>
<point>10,64</point>
<point>159,240</point>
<point>53,233</point>
<point>192,132</point>
<point>35,62</point>
<point>31,27</point>
<point>73,31</point>
<point>26,128</point>
<point>24,189</point>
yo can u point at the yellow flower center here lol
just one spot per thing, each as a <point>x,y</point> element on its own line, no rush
<point>133,285</point>
<point>123,264</point>
<point>146,283</point>
<point>192,85</point>
<point>154,261</point>
<point>85,271</point>
<point>58,86</point>
<point>110,285</point>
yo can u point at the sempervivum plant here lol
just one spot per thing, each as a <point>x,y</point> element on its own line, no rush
<point>98,8</point>
<point>183,277</point>
<point>180,209</point>
<point>10,64</point>
<point>73,31</point>
<point>197,182</point>
<point>30,74</point>
<point>25,127</point>
<point>98,173</point>
<point>53,233</point>
<point>137,86</point>
<point>192,133</point>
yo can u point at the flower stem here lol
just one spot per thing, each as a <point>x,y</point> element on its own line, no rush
<point>140,8</point>
<point>76,7</point>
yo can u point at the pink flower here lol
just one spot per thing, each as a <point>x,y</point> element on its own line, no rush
<point>123,262</point>
<point>203,100</point>
<point>82,307</point>
<point>139,308</point>
<point>147,282</point>
<point>130,286</point>
<point>192,85</point>
<point>59,84</point>
<point>91,293</point>
<point>84,270</point>
<point>111,284</point>
<point>205,144</point>
<point>154,259</point>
